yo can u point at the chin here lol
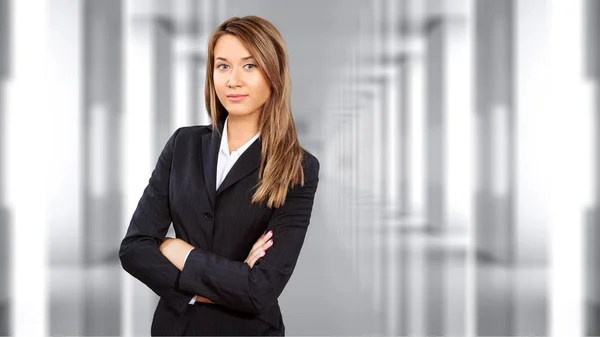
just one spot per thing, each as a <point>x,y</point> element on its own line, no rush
<point>238,111</point>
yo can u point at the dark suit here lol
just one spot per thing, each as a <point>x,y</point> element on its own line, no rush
<point>222,225</point>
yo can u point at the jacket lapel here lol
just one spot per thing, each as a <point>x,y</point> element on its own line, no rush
<point>210,152</point>
<point>247,163</point>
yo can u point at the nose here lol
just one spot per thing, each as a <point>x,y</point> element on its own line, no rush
<point>234,79</point>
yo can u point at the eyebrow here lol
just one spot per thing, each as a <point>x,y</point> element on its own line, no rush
<point>243,58</point>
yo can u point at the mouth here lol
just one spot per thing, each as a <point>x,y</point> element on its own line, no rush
<point>236,98</point>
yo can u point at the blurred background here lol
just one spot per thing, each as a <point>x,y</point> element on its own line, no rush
<point>458,142</point>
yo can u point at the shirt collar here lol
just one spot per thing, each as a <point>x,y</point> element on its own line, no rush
<point>225,141</point>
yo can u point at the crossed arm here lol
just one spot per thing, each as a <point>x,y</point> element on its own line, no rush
<point>177,250</point>
<point>234,284</point>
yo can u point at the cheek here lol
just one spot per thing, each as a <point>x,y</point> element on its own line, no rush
<point>220,88</point>
<point>261,88</point>
<point>217,82</point>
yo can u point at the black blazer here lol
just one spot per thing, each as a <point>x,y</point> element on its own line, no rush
<point>222,226</point>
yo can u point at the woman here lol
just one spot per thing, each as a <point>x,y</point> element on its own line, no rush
<point>232,190</point>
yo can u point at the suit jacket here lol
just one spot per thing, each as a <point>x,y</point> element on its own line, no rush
<point>222,226</point>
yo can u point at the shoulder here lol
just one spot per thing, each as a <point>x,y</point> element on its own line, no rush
<point>311,165</point>
<point>187,137</point>
<point>187,134</point>
<point>193,130</point>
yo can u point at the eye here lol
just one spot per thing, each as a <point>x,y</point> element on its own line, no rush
<point>222,66</point>
<point>250,66</point>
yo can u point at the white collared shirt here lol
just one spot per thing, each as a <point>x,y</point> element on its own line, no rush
<point>225,162</point>
<point>226,159</point>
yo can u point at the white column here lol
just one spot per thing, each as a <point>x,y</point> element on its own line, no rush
<point>378,153</point>
<point>208,10</point>
<point>537,146</point>
<point>65,185</point>
<point>415,269</point>
<point>139,151</point>
<point>449,165</point>
<point>183,90</point>
<point>415,68</point>
<point>392,105</point>
<point>458,120</point>
<point>568,159</point>
<point>530,87</point>
<point>183,46</point>
<point>459,191</point>
<point>26,135</point>
<point>189,61</point>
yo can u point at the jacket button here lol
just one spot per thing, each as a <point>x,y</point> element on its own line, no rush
<point>208,216</point>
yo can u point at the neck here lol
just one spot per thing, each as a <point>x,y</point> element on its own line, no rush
<point>241,128</point>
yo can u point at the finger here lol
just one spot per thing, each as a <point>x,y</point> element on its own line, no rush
<point>263,239</point>
<point>255,258</point>
<point>264,247</point>
<point>267,245</point>
<point>253,255</point>
<point>262,250</point>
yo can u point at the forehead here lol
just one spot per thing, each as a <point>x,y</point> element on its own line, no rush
<point>231,48</point>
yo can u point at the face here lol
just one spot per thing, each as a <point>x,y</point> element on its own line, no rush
<point>239,83</point>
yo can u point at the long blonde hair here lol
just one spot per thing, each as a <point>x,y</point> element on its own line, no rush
<point>281,153</point>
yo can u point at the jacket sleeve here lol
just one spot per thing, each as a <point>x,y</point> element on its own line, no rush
<point>233,283</point>
<point>139,251</point>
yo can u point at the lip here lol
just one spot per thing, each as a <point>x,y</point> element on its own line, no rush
<point>236,98</point>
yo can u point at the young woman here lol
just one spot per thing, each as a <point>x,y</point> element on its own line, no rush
<point>233,190</point>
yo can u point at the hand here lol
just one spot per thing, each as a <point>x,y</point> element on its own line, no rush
<point>260,248</point>
<point>175,251</point>
<point>203,299</point>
